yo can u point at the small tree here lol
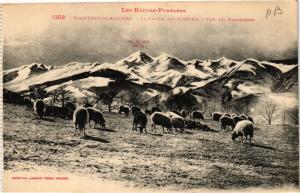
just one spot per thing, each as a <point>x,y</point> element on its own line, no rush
<point>62,95</point>
<point>211,108</point>
<point>184,101</point>
<point>268,112</point>
<point>107,97</point>
<point>37,92</point>
<point>134,98</point>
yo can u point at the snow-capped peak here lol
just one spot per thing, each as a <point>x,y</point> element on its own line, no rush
<point>137,57</point>
<point>163,56</point>
<point>25,71</point>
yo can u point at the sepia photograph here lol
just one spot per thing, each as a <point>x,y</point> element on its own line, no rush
<point>150,97</point>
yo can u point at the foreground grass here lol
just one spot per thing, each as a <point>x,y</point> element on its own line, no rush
<point>196,159</point>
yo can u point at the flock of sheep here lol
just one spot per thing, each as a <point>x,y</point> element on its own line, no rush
<point>242,126</point>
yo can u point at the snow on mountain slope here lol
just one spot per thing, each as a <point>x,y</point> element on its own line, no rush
<point>79,92</point>
<point>206,76</point>
<point>60,72</point>
<point>180,90</point>
<point>240,78</point>
<point>71,71</point>
<point>79,88</point>
<point>288,81</point>
<point>24,72</point>
<point>166,62</point>
<point>138,57</point>
<point>282,67</point>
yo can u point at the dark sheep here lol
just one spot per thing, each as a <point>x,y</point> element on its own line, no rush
<point>135,109</point>
<point>39,108</point>
<point>140,119</point>
<point>96,116</point>
<point>204,127</point>
<point>216,116</point>
<point>227,122</point>
<point>177,121</point>
<point>189,124</point>
<point>183,113</point>
<point>237,119</point>
<point>155,109</point>
<point>243,129</point>
<point>80,119</point>
<point>161,119</point>
<point>197,115</point>
<point>148,112</point>
<point>124,109</point>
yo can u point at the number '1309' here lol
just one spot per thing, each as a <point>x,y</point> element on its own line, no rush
<point>58,17</point>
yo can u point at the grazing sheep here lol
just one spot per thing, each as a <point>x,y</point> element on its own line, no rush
<point>243,129</point>
<point>70,108</point>
<point>197,115</point>
<point>135,109</point>
<point>161,119</point>
<point>155,109</point>
<point>177,121</point>
<point>183,113</point>
<point>148,112</point>
<point>124,109</point>
<point>216,116</point>
<point>96,116</point>
<point>227,122</point>
<point>39,107</point>
<point>204,127</point>
<point>54,111</point>
<point>244,117</point>
<point>141,119</point>
<point>80,119</point>
<point>237,119</point>
<point>250,119</point>
<point>189,124</point>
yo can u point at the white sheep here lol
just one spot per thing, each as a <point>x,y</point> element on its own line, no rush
<point>243,129</point>
<point>80,119</point>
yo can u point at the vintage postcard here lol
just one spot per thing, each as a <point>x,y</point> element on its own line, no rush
<point>150,97</point>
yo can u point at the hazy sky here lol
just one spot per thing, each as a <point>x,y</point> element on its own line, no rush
<point>31,35</point>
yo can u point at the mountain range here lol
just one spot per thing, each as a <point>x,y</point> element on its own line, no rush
<point>160,76</point>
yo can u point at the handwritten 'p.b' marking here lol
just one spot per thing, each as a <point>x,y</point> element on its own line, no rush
<point>277,11</point>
